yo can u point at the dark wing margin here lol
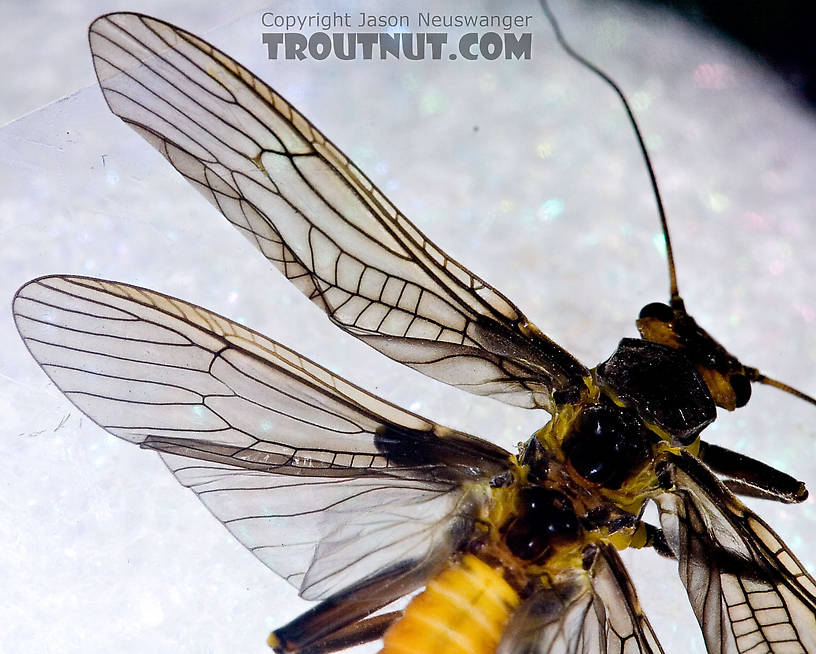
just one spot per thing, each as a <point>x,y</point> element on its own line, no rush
<point>747,589</point>
<point>323,482</point>
<point>590,612</point>
<point>317,218</point>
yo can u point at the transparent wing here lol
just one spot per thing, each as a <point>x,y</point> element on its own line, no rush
<point>617,607</point>
<point>748,591</point>
<point>323,482</point>
<point>586,614</point>
<point>317,218</point>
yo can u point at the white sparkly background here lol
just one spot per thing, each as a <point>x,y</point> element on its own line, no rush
<point>526,172</point>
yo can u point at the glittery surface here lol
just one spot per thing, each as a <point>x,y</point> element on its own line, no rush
<point>526,172</point>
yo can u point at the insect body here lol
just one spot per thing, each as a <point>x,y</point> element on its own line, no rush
<point>358,503</point>
<point>463,609</point>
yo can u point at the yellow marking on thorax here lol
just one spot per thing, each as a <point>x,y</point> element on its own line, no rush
<point>499,504</point>
<point>635,538</point>
<point>463,610</point>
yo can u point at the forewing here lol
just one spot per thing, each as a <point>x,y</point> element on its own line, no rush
<point>588,613</point>
<point>317,218</point>
<point>323,482</point>
<point>748,591</point>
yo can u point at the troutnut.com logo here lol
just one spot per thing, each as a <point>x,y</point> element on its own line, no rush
<point>495,36</point>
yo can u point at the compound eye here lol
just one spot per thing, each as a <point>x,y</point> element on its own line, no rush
<point>741,387</point>
<point>657,310</point>
<point>606,446</point>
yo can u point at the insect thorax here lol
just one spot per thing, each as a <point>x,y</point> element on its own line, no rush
<point>586,475</point>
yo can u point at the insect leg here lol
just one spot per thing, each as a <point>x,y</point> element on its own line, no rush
<point>647,535</point>
<point>656,539</point>
<point>751,478</point>
<point>343,617</point>
<point>357,633</point>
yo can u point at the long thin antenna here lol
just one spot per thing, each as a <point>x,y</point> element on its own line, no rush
<point>677,303</point>
<point>769,381</point>
<point>673,291</point>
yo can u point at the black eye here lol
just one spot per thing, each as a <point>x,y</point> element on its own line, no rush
<point>742,389</point>
<point>658,310</point>
<point>606,446</point>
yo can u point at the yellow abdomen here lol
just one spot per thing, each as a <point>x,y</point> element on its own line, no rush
<point>463,610</point>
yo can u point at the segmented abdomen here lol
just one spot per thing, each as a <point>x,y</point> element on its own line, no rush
<point>463,610</point>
